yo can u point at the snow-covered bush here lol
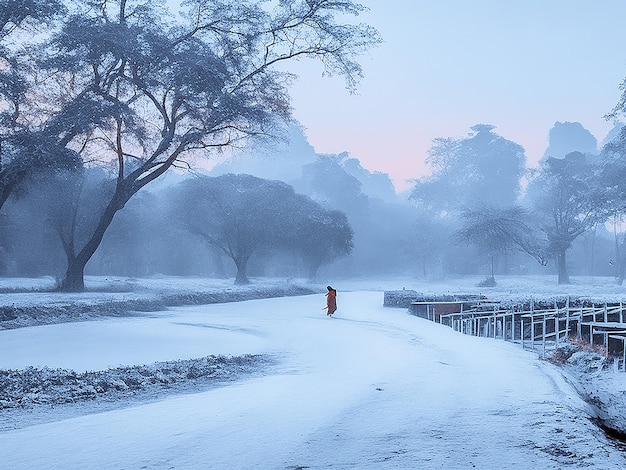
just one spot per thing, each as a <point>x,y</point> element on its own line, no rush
<point>33,386</point>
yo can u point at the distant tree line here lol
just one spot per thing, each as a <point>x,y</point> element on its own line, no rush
<point>188,227</point>
<point>477,179</point>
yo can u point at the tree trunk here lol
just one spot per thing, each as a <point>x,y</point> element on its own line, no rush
<point>242,267</point>
<point>562,268</point>
<point>621,265</point>
<point>74,276</point>
<point>74,280</point>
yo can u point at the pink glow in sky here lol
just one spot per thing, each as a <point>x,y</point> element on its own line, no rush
<point>520,65</point>
<point>449,64</point>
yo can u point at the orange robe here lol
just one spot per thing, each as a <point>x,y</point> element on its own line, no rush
<point>331,301</point>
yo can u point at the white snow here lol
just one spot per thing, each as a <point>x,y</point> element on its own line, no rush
<point>372,388</point>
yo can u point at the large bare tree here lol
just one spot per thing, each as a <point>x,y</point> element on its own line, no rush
<point>129,87</point>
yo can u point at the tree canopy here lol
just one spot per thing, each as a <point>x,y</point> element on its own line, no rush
<point>484,168</point>
<point>24,149</point>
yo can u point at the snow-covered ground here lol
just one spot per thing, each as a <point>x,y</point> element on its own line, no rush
<point>372,388</point>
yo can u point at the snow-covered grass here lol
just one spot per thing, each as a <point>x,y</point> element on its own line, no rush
<point>372,388</point>
<point>599,289</point>
<point>40,304</point>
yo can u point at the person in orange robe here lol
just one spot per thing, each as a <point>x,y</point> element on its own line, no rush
<point>331,301</point>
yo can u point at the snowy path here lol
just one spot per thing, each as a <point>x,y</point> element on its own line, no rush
<point>373,388</point>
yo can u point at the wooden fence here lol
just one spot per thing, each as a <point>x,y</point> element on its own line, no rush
<point>540,330</point>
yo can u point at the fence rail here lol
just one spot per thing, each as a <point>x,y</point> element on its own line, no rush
<point>540,330</point>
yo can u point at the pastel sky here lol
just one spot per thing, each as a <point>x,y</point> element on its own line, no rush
<point>449,64</point>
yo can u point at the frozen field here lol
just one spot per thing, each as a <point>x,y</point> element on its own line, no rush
<point>372,388</point>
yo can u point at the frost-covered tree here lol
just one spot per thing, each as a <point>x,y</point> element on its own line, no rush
<point>484,168</point>
<point>319,235</point>
<point>139,92</point>
<point>564,199</point>
<point>242,215</point>
<point>238,214</point>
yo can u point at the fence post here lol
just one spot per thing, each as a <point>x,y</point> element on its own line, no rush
<point>543,333</point>
<point>556,330</point>
<point>567,325</point>
<point>579,326</point>
<point>593,309</point>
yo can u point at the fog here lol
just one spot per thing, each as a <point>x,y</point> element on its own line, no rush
<point>419,233</point>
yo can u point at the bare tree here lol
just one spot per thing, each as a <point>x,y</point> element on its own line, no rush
<point>565,205</point>
<point>154,92</point>
<point>493,230</point>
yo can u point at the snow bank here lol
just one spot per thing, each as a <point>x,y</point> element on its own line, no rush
<point>603,387</point>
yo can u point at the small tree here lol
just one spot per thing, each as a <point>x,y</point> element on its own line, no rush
<point>495,230</point>
<point>319,235</point>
